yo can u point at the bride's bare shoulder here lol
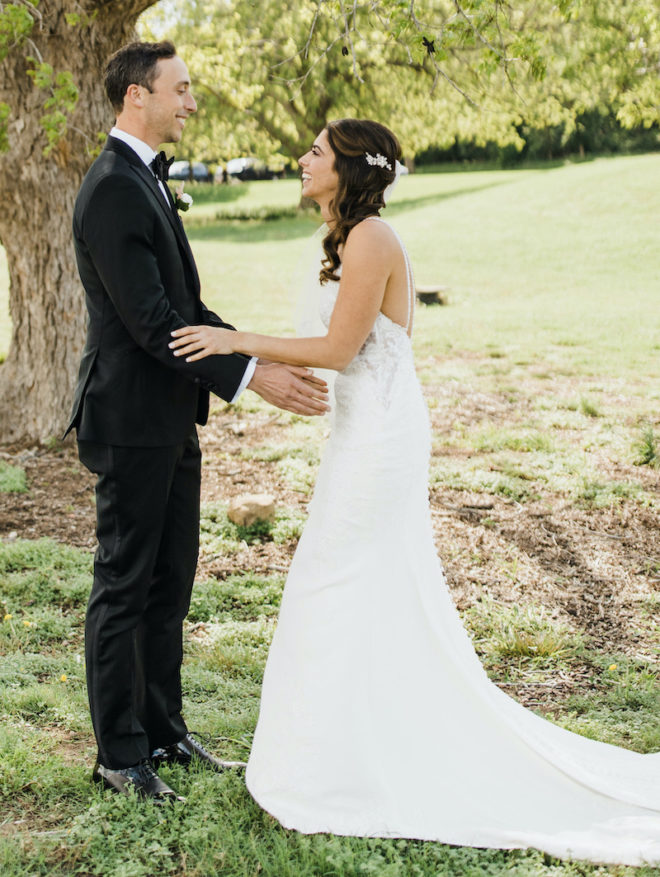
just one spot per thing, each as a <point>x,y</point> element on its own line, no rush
<point>371,235</point>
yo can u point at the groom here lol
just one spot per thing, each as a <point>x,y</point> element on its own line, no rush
<point>134,411</point>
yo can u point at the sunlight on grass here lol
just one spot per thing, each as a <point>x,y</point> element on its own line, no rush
<point>532,259</point>
<point>551,272</point>
<point>493,439</point>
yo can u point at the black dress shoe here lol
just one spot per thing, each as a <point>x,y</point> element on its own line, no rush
<point>189,750</point>
<point>142,777</point>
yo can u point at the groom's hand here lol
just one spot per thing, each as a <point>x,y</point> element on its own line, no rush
<point>291,387</point>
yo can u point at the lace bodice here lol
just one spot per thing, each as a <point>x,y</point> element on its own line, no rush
<point>385,355</point>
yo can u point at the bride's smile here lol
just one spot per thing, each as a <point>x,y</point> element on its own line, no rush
<point>319,177</point>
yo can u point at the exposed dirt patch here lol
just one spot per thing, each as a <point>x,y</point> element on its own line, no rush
<point>596,569</point>
<point>59,503</point>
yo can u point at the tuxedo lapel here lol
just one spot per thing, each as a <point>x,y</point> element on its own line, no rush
<point>170,211</point>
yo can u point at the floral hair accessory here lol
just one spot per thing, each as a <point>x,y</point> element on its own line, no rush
<point>378,159</point>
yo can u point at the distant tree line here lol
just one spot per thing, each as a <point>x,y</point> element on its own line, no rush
<point>594,133</point>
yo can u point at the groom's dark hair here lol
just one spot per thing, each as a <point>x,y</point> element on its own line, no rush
<point>134,64</point>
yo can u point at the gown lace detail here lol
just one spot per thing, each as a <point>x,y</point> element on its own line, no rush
<point>374,369</point>
<point>377,718</point>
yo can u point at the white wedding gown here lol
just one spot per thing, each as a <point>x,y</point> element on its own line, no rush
<point>377,718</point>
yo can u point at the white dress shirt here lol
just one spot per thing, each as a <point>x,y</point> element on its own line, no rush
<point>144,152</point>
<point>147,155</point>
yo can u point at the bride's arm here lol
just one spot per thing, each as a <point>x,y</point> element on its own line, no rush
<point>366,267</point>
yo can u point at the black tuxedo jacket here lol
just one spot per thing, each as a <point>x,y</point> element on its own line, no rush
<point>141,283</point>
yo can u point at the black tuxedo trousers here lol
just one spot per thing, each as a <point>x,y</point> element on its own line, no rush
<point>148,536</point>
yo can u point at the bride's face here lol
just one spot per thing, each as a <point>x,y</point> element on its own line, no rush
<point>319,177</point>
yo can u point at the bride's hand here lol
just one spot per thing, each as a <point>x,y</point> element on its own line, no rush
<point>196,342</point>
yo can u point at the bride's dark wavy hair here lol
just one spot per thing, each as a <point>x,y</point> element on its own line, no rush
<point>361,185</point>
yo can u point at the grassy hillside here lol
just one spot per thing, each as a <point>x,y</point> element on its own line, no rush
<point>533,259</point>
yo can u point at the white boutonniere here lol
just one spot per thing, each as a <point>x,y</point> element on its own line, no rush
<point>182,200</point>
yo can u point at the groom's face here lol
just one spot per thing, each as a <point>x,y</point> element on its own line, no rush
<point>169,103</point>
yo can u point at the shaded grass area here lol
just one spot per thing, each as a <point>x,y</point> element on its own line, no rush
<point>220,535</point>
<point>12,478</point>
<point>648,447</point>
<point>618,700</point>
<point>55,823</point>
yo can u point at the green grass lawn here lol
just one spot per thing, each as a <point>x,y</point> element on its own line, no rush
<point>534,260</point>
<point>549,265</point>
<point>45,748</point>
<point>542,377</point>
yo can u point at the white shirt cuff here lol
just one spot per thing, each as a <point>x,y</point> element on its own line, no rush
<point>247,377</point>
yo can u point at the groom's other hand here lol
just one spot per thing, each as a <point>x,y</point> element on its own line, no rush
<point>290,387</point>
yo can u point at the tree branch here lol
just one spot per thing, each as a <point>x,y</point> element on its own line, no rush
<point>127,8</point>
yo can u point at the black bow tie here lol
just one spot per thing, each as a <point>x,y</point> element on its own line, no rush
<point>161,167</point>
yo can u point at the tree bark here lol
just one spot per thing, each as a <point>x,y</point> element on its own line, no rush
<point>46,299</point>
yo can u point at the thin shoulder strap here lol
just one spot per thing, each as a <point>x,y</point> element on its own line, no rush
<point>410,279</point>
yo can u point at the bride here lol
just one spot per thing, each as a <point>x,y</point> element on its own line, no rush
<point>377,718</point>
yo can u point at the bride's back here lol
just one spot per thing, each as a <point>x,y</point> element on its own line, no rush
<point>398,298</point>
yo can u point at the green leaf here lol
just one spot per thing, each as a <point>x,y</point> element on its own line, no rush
<point>16,24</point>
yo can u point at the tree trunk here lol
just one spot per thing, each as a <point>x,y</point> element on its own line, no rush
<point>46,299</point>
